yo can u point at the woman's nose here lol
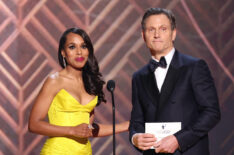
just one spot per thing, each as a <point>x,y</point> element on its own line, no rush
<point>79,51</point>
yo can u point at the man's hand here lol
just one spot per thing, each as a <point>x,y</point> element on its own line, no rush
<point>144,141</point>
<point>167,145</point>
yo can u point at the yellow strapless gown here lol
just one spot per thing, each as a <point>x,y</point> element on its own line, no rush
<point>65,110</point>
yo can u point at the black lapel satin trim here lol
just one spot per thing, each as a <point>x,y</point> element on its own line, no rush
<point>170,80</point>
<point>150,86</point>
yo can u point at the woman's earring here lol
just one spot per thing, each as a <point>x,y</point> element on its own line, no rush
<point>64,62</point>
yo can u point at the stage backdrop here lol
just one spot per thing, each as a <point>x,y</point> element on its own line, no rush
<point>29,34</point>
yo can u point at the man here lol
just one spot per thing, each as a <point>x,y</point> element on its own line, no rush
<point>173,87</point>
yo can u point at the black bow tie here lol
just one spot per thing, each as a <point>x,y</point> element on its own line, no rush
<point>154,64</point>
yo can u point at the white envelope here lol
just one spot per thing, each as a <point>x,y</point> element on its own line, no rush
<point>162,129</point>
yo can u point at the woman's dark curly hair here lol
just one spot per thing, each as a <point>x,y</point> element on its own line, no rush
<point>92,78</point>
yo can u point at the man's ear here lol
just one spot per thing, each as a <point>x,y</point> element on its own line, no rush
<point>143,34</point>
<point>173,35</point>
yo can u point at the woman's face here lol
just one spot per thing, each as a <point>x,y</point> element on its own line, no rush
<point>75,51</point>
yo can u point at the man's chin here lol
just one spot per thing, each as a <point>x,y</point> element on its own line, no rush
<point>156,51</point>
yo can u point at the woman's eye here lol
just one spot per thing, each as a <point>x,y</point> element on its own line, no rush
<point>83,46</point>
<point>71,47</point>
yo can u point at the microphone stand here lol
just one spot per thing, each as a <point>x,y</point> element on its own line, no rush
<point>113,112</point>
<point>110,88</point>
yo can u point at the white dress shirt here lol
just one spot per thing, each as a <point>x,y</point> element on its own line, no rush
<point>160,74</point>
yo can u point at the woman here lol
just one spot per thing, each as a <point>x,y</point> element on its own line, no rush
<point>69,98</point>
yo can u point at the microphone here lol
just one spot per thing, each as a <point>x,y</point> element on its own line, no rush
<point>111,85</point>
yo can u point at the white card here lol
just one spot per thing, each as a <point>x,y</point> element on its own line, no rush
<point>162,129</point>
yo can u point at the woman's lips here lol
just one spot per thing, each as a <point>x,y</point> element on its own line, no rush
<point>80,59</point>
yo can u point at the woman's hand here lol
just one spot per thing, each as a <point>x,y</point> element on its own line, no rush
<point>81,131</point>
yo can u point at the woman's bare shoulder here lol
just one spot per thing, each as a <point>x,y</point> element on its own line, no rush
<point>54,75</point>
<point>53,82</point>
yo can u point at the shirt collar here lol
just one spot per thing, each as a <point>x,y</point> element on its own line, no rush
<point>168,57</point>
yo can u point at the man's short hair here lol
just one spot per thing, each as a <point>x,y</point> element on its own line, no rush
<point>157,11</point>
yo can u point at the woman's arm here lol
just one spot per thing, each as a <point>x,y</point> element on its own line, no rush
<point>37,123</point>
<point>101,130</point>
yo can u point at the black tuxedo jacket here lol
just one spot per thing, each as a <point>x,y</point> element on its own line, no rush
<point>188,95</point>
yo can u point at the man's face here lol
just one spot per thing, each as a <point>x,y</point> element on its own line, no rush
<point>158,34</point>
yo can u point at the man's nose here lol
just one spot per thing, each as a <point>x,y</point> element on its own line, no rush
<point>156,34</point>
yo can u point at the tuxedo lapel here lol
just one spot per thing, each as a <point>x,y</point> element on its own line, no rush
<point>170,80</point>
<point>150,86</point>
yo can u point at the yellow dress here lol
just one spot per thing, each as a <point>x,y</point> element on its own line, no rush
<point>65,110</point>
